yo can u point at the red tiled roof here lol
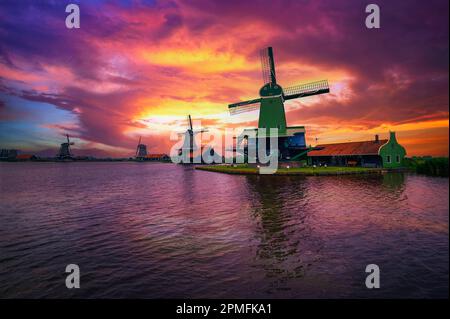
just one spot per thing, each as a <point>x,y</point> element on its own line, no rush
<point>350,148</point>
<point>24,156</point>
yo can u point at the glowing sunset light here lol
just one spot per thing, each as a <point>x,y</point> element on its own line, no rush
<point>205,61</point>
<point>140,69</point>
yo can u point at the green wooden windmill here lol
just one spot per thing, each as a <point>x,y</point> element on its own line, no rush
<point>271,107</point>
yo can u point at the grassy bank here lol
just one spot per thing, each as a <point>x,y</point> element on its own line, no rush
<point>247,170</point>
<point>433,166</point>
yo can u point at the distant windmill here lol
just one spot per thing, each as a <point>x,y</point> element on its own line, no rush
<point>189,145</point>
<point>141,150</point>
<point>64,149</point>
<point>271,107</point>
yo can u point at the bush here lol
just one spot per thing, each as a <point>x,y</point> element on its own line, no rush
<point>437,166</point>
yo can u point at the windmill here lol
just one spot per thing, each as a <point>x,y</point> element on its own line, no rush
<point>271,106</point>
<point>189,145</point>
<point>64,149</point>
<point>141,150</point>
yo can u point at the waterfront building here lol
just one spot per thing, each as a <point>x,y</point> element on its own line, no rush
<point>26,157</point>
<point>375,153</point>
<point>8,154</point>
<point>157,157</point>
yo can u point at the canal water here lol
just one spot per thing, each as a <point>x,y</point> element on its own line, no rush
<point>143,230</point>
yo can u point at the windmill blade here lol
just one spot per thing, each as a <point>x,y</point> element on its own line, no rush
<point>268,66</point>
<point>68,144</point>
<point>265,66</point>
<point>272,66</point>
<point>190,122</point>
<point>185,132</point>
<point>200,131</point>
<point>245,106</point>
<point>308,89</point>
<point>137,147</point>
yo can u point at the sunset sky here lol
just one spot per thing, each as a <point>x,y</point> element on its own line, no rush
<point>137,68</point>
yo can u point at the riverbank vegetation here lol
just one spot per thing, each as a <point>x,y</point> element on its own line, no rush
<point>433,166</point>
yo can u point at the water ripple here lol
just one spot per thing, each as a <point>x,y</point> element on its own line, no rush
<point>143,230</point>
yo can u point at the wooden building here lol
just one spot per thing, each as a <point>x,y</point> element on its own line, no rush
<point>375,153</point>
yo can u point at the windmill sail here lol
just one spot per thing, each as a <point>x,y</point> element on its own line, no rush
<point>137,147</point>
<point>190,128</point>
<point>307,89</point>
<point>268,66</point>
<point>245,106</point>
<point>271,89</point>
<point>190,122</point>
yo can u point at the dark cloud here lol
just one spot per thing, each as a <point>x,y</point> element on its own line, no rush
<point>398,74</point>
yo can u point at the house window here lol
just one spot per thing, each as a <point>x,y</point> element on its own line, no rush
<point>388,158</point>
<point>397,158</point>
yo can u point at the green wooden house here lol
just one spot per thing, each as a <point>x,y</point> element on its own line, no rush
<point>392,153</point>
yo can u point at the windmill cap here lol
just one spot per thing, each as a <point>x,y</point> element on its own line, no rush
<point>271,89</point>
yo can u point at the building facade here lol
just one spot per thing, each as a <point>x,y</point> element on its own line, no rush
<point>375,153</point>
<point>392,153</point>
<point>157,157</point>
<point>8,154</point>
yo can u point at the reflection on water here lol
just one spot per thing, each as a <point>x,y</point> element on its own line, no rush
<point>160,230</point>
<point>393,181</point>
<point>283,251</point>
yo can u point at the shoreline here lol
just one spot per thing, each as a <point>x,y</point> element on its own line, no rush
<point>85,161</point>
<point>304,171</point>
